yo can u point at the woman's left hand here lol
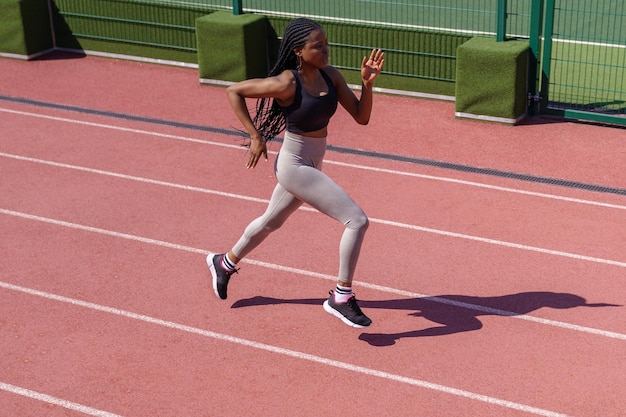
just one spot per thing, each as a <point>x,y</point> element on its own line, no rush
<point>372,66</point>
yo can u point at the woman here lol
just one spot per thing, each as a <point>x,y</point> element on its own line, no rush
<point>301,95</point>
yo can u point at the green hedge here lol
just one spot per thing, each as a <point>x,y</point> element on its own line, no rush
<point>491,80</point>
<point>24,27</point>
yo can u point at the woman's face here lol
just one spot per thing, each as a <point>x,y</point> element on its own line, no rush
<point>315,50</point>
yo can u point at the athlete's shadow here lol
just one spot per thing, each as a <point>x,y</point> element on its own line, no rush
<point>452,313</point>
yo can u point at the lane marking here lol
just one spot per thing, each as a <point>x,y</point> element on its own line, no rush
<point>286,352</point>
<point>313,274</point>
<point>134,178</point>
<point>479,185</point>
<point>120,128</point>
<point>503,243</point>
<point>54,400</point>
<point>306,208</point>
<point>326,161</point>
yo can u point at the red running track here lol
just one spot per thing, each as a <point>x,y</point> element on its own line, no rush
<point>491,296</point>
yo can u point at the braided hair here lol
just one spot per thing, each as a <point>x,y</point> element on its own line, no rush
<point>269,119</point>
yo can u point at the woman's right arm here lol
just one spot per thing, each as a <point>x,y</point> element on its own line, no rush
<point>279,87</point>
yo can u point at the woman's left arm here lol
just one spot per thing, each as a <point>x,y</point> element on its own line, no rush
<point>361,108</point>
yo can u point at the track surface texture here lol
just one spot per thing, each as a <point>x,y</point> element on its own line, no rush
<point>493,268</point>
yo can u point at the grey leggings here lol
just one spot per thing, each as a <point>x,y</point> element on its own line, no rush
<point>300,180</point>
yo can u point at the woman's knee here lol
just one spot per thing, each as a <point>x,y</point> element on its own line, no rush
<point>359,221</point>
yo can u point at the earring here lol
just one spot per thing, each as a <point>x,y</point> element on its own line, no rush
<point>299,64</point>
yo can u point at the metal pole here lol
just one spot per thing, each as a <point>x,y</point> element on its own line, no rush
<point>536,22</point>
<point>51,17</point>
<point>237,7</point>
<point>547,51</point>
<point>501,21</point>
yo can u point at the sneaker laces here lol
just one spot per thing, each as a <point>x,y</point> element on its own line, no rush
<point>229,273</point>
<point>226,271</point>
<point>354,306</point>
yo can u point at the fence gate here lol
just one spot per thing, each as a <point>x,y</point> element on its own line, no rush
<point>582,62</point>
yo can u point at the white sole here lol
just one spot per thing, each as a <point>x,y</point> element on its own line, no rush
<point>209,262</point>
<point>340,316</point>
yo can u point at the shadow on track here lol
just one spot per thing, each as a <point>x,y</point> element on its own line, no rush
<point>451,313</point>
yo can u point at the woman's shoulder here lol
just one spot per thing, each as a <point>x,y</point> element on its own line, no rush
<point>285,86</point>
<point>286,79</point>
<point>330,70</point>
<point>334,74</point>
<point>287,75</point>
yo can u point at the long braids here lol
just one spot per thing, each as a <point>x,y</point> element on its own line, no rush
<point>269,119</point>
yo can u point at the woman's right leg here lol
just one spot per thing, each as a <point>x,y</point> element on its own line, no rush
<point>282,204</point>
<point>222,266</point>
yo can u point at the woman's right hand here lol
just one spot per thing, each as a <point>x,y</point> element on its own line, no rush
<point>258,148</point>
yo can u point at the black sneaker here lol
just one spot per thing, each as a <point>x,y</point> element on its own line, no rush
<point>349,312</point>
<point>219,274</point>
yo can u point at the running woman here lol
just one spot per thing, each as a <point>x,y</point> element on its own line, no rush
<point>300,95</point>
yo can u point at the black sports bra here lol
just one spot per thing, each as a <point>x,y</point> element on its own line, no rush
<point>308,113</point>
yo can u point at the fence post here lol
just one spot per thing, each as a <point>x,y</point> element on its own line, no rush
<point>536,21</point>
<point>237,7</point>
<point>501,21</point>
<point>546,55</point>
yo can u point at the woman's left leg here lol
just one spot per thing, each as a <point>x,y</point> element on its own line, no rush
<point>318,190</point>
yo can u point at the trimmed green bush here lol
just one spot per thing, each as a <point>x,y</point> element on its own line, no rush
<point>491,80</point>
<point>25,27</point>
<point>232,47</point>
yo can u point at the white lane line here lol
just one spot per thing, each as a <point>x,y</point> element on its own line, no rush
<point>481,185</point>
<point>134,178</point>
<point>315,275</point>
<point>120,128</point>
<point>54,400</point>
<point>286,352</point>
<point>503,243</point>
<point>326,161</point>
<point>306,208</point>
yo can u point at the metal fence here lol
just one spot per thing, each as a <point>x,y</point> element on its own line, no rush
<point>168,26</point>
<point>584,59</point>
<point>420,36</point>
<point>579,46</point>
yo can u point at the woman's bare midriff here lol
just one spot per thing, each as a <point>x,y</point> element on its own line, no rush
<point>321,133</point>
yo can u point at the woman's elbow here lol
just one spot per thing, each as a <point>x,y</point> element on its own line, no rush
<point>362,120</point>
<point>362,115</point>
<point>232,91</point>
